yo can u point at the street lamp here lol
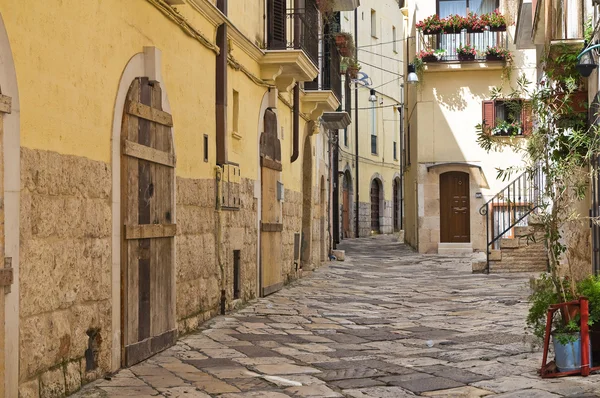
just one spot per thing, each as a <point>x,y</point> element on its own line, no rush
<point>585,61</point>
<point>372,97</point>
<point>412,77</point>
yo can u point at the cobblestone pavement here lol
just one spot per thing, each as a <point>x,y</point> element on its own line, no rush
<point>387,322</point>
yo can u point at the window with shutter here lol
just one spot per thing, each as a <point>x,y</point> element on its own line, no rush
<point>506,117</point>
<point>489,115</point>
<point>276,24</point>
<point>526,118</point>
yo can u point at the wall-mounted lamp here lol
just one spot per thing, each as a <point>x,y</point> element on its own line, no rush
<point>372,97</point>
<point>585,61</point>
<point>412,75</point>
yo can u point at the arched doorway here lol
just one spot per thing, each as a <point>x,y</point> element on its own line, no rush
<point>148,196</point>
<point>322,219</point>
<point>455,224</point>
<point>271,226</point>
<point>346,203</point>
<point>307,173</point>
<point>396,200</point>
<point>375,210</point>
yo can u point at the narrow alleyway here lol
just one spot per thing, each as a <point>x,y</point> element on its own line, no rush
<point>387,322</point>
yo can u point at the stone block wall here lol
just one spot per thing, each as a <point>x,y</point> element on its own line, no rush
<point>65,271</point>
<point>206,240</point>
<point>292,224</point>
<point>364,219</point>
<point>385,219</point>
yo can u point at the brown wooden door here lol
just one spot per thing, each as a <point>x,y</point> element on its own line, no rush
<point>396,205</point>
<point>375,206</point>
<point>271,223</point>
<point>455,223</point>
<point>147,179</point>
<point>345,209</point>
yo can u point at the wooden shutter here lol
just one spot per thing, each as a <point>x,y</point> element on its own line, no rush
<point>276,22</point>
<point>488,115</point>
<point>526,118</point>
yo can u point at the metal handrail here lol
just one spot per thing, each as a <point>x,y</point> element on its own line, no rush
<point>515,202</point>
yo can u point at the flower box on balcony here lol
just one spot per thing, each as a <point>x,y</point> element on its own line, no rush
<point>494,58</point>
<point>429,58</point>
<point>498,28</point>
<point>466,57</point>
<point>430,26</point>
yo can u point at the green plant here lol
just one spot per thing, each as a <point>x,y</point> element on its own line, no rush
<point>474,23</point>
<point>494,20</point>
<point>345,43</point>
<point>430,25</point>
<point>454,23</point>
<point>466,50</point>
<point>419,69</point>
<point>562,154</point>
<point>590,288</point>
<point>499,52</point>
<point>504,127</point>
<point>588,30</point>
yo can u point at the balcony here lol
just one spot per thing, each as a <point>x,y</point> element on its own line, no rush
<point>329,78</point>
<point>296,28</point>
<point>450,42</point>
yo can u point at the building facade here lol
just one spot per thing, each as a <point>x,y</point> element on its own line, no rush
<point>162,162</point>
<point>449,177</point>
<point>369,175</point>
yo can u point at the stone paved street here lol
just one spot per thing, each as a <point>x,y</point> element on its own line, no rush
<point>387,322</point>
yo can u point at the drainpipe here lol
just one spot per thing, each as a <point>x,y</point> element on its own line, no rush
<point>221,146</point>
<point>296,126</point>
<point>335,181</point>
<point>356,122</point>
<point>401,187</point>
<point>221,88</point>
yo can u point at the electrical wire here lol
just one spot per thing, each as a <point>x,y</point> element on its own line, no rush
<point>380,55</point>
<point>383,69</point>
<point>391,81</point>
<point>387,42</point>
<point>376,107</point>
<point>382,163</point>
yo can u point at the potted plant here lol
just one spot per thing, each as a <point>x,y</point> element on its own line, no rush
<point>505,128</point>
<point>498,54</point>
<point>495,21</point>
<point>590,288</point>
<point>453,24</point>
<point>353,69</point>
<point>474,24</point>
<point>428,55</point>
<point>345,44</point>
<point>561,153</point>
<point>466,53</point>
<point>430,26</point>
<point>344,65</point>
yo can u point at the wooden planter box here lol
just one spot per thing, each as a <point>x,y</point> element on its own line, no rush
<point>498,29</point>
<point>494,58</point>
<point>429,58</point>
<point>469,57</point>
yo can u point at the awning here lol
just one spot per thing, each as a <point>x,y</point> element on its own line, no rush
<point>464,164</point>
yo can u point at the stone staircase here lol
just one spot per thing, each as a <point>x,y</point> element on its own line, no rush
<point>526,252</point>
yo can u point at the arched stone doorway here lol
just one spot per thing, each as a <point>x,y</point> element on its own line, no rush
<point>148,198</point>
<point>307,173</point>
<point>346,204</point>
<point>396,203</point>
<point>376,197</point>
<point>455,223</point>
<point>271,227</point>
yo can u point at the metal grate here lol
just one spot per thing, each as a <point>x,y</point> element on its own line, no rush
<point>450,42</point>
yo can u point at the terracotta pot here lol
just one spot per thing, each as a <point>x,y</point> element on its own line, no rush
<point>569,312</point>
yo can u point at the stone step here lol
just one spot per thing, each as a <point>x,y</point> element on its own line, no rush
<point>495,255</point>
<point>452,249</point>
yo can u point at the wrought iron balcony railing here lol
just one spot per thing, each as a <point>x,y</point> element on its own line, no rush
<point>296,28</point>
<point>450,42</point>
<point>329,77</point>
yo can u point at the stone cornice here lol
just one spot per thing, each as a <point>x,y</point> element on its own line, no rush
<point>216,18</point>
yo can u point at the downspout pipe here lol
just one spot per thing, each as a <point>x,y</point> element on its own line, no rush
<point>296,124</point>
<point>221,88</point>
<point>356,126</point>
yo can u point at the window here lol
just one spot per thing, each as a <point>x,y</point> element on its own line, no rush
<point>507,117</point>
<point>373,23</point>
<point>394,39</point>
<point>395,151</point>
<point>374,145</point>
<point>463,7</point>
<point>236,111</point>
<point>205,148</point>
